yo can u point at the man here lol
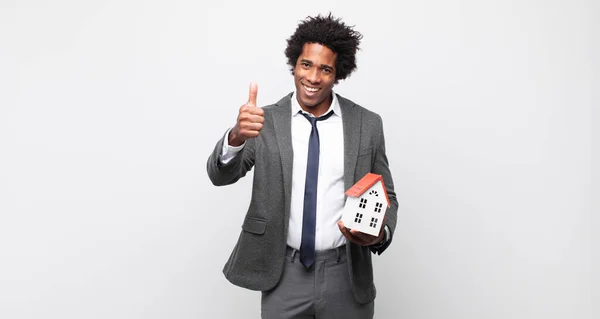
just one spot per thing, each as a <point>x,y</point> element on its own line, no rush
<point>306,150</point>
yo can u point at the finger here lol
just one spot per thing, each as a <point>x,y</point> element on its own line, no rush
<point>248,117</point>
<point>253,93</point>
<point>252,109</point>
<point>348,234</point>
<point>256,110</point>
<point>249,133</point>
<point>365,239</point>
<point>361,235</point>
<point>251,126</point>
<point>343,229</point>
<point>256,119</point>
<point>365,236</point>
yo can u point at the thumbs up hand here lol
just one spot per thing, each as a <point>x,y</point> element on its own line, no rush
<point>249,121</point>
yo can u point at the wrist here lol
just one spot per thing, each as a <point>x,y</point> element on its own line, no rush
<point>383,238</point>
<point>234,138</point>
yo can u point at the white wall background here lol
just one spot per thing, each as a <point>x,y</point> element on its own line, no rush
<point>595,118</point>
<point>109,109</point>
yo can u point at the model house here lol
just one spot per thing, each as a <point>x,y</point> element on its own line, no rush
<point>366,204</point>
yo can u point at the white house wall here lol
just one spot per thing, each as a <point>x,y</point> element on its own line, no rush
<point>352,207</point>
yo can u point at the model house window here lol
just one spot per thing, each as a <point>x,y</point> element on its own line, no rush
<point>378,207</point>
<point>373,222</point>
<point>358,218</point>
<point>363,203</point>
<point>373,192</point>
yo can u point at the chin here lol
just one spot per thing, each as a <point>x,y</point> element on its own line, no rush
<point>309,103</point>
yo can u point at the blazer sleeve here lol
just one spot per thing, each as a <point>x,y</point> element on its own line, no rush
<point>224,174</point>
<point>381,167</point>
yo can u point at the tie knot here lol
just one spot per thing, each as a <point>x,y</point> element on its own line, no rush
<point>313,120</point>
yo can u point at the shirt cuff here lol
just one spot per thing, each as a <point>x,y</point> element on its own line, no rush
<point>229,152</point>
<point>385,239</point>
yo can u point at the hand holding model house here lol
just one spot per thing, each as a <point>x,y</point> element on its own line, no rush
<point>364,213</point>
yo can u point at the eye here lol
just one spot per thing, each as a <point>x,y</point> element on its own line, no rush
<point>305,65</point>
<point>327,71</point>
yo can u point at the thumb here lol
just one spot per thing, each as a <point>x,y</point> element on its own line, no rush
<point>253,93</point>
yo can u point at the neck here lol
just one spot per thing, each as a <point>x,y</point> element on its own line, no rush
<point>319,109</point>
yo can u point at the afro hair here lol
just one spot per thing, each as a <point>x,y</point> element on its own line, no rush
<point>330,32</point>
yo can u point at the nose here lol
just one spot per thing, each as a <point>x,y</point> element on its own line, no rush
<point>313,75</point>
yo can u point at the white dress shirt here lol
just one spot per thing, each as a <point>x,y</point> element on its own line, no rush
<point>330,187</point>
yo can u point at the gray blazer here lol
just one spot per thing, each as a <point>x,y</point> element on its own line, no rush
<point>258,257</point>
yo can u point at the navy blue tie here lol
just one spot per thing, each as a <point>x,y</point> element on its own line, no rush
<point>307,247</point>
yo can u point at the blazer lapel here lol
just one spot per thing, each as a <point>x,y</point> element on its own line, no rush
<point>282,121</point>
<point>351,119</point>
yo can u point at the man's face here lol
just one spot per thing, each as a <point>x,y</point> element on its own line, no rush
<point>314,76</point>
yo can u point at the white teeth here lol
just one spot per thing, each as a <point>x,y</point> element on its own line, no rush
<point>309,89</point>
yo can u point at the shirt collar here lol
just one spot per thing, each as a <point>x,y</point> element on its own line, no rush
<point>335,106</point>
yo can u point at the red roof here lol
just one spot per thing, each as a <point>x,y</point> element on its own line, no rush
<point>365,183</point>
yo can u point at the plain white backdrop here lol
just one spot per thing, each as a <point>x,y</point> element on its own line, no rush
<point>109,109</point>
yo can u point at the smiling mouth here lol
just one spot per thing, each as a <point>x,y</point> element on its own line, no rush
<point>310,89</point>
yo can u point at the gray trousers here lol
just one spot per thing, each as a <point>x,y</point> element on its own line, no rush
<point>323,291</point>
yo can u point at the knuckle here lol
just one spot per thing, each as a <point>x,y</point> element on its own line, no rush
<point>246,108</point>
<point>244,117</point>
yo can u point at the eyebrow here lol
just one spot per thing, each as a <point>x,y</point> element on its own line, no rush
<point>323,66</point>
